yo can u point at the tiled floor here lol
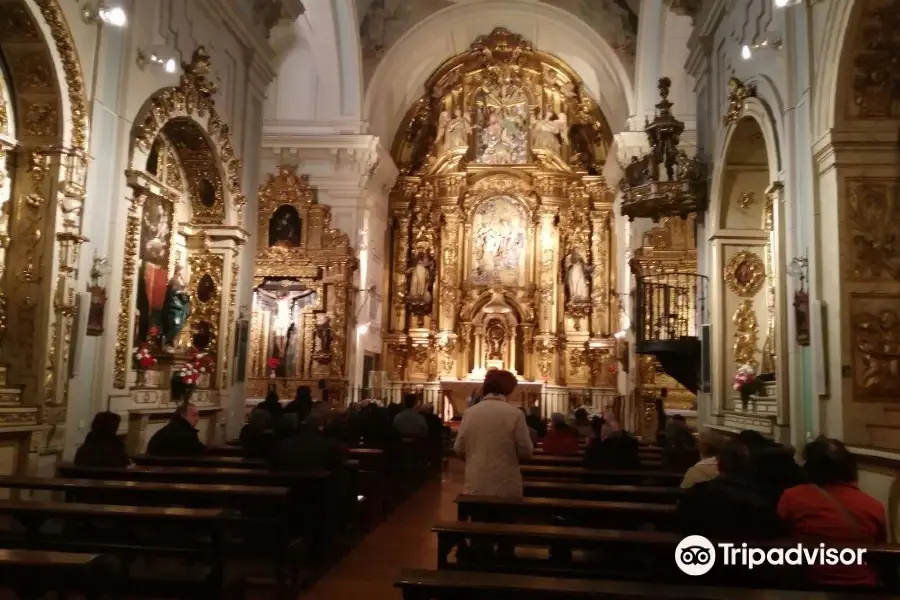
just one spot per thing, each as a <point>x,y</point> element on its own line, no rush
<point>403,540</point>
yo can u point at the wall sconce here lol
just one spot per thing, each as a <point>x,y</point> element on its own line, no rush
<point>101,14</point>
<point>769,41</point>
<point>786,3</point>
<point>158,58</point>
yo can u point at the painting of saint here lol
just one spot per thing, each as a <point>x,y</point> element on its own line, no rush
<point>284,227</point>
<point>499,238</point>
<point>156,228</point>
<point>503,126</point>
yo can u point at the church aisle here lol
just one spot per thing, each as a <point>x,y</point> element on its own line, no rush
<point>403,540</point>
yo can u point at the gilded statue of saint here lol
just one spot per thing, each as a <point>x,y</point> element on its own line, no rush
<point>548,133</point>
<point>453,132</point>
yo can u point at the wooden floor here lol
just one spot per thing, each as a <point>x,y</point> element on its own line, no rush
<point>403,540</point>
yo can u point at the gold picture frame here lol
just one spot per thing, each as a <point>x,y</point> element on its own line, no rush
<point>745,274</point>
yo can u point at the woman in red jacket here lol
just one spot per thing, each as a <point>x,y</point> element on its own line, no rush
<point>562,439</point>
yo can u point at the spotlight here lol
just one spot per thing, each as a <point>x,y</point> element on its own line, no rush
<point>785,3</point>
<point>96,14</point>
<point>160,58</point>
<point>362,329</point>
<point>767,43</point>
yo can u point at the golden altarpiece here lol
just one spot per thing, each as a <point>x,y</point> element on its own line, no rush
<point>302,292</point>
<point>181,256</point>
<point>502,231</point>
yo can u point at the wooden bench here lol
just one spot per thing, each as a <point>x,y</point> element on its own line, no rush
<point>619,515</point>
<point>225,462</point>
<point>602,491</point>
<point>652,452</point>
<point>577,461</point>
<point>32,573</point>
<point>128,532</point>
<point>580,474</point>
<point>420,584</point>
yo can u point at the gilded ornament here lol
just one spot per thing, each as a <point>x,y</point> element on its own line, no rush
<point>738,93</point>
<point>874,46</point>
<point>746,335</point>
<point>32,72</point>
<point>873,213</point>
<point>746,200</point>
<point>41,119</point>
<point>876,350</point>
<point>745,274</point>
<point>129,273</point>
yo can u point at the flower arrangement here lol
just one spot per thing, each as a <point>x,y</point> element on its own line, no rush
<point>746,383</point>
<point>142,357</point>
<point>189,373</point>
<point>273,363</point>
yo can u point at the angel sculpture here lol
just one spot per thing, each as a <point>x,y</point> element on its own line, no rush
<point>453,132</point>
<point>548,134</point>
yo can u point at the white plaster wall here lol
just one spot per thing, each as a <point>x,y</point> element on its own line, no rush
<point>241,64</point>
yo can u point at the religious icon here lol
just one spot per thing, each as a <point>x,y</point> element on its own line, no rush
<point>548,134</point>
<point>744,273</point>
<point>284,227</point>
<point>503,120</point>
<point>176,309</point>
<point>801,315</point>
<point>498,244</point>
<point>156,229</point>
<point>453,132</point>
<point>576,274</point>
<point>324,335</point>
<point>421,275</point>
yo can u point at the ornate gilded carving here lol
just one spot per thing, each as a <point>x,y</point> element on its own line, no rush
<point>126,295</point>
<point>684,191</point>
<point>746,200</point>
<point>738,92</point>
<point>746,335</point>
<point>873,215</point>
<point>875,323</point>
<point>874,44</point>
<point>745,274</point>
<point>194,98</point>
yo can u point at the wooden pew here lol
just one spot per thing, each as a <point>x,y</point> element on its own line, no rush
<point>602,491</point>
<point>196,535</point>
<point>577,461</point>
<point>619,515</point>
<point>224,462</point>
<point>420,584</point>
<point>652,452</point>
<point>580,474</point>
<point>32,573</point>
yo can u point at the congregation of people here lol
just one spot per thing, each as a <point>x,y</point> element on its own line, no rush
<point>739,488</point>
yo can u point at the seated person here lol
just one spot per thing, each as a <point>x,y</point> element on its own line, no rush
<point>709,443</point>
<point>774,464</point>
<point>562,439</point>
<point>832,508</point>
<point>597,428</point>
<point>102,447</point>
<point>733,506</point>
<point>304,448</point>
<point>179,437</point>
<point>272,404</point>
<point>535,422</point>
<point>582,423</point>
<point>680,451</point>
<point>612,448</point>
<point>410,422</point>
<point>258,435</point>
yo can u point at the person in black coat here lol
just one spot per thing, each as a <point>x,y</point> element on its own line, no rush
<point>306,449</point>
<point>774,464</point>
<point>102,446</point>
<point>303,397</point>
<point>272,404</point>
<point>733,506</point>
<point>179,437</point>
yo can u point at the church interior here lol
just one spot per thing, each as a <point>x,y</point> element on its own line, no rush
<point>226,217</point>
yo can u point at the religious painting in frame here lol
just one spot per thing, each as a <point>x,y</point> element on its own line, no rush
<point>499,239</point>
<point>285,227</point>
<point>97,310</point>
<point>153,275</point>
<point>745,274</point>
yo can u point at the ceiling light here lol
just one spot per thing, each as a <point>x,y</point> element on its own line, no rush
<point>96,14</point>
<point>161,58</point>
<point>769,42</point>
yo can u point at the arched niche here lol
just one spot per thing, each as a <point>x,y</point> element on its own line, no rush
<point>183,237</point>
<point>747,288</point>
<point>43,162</point>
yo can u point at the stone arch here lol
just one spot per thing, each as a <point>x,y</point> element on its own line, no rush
<point>746,232</point>
<point>188,116</point>
<point>556,32</point>
<point>44,124</point>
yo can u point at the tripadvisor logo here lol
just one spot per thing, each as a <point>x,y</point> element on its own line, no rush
<point>696,555</point>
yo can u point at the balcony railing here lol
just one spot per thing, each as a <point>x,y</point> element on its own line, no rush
<point>670,306</point>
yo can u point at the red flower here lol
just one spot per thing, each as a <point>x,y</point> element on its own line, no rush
<point>273,363</point>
